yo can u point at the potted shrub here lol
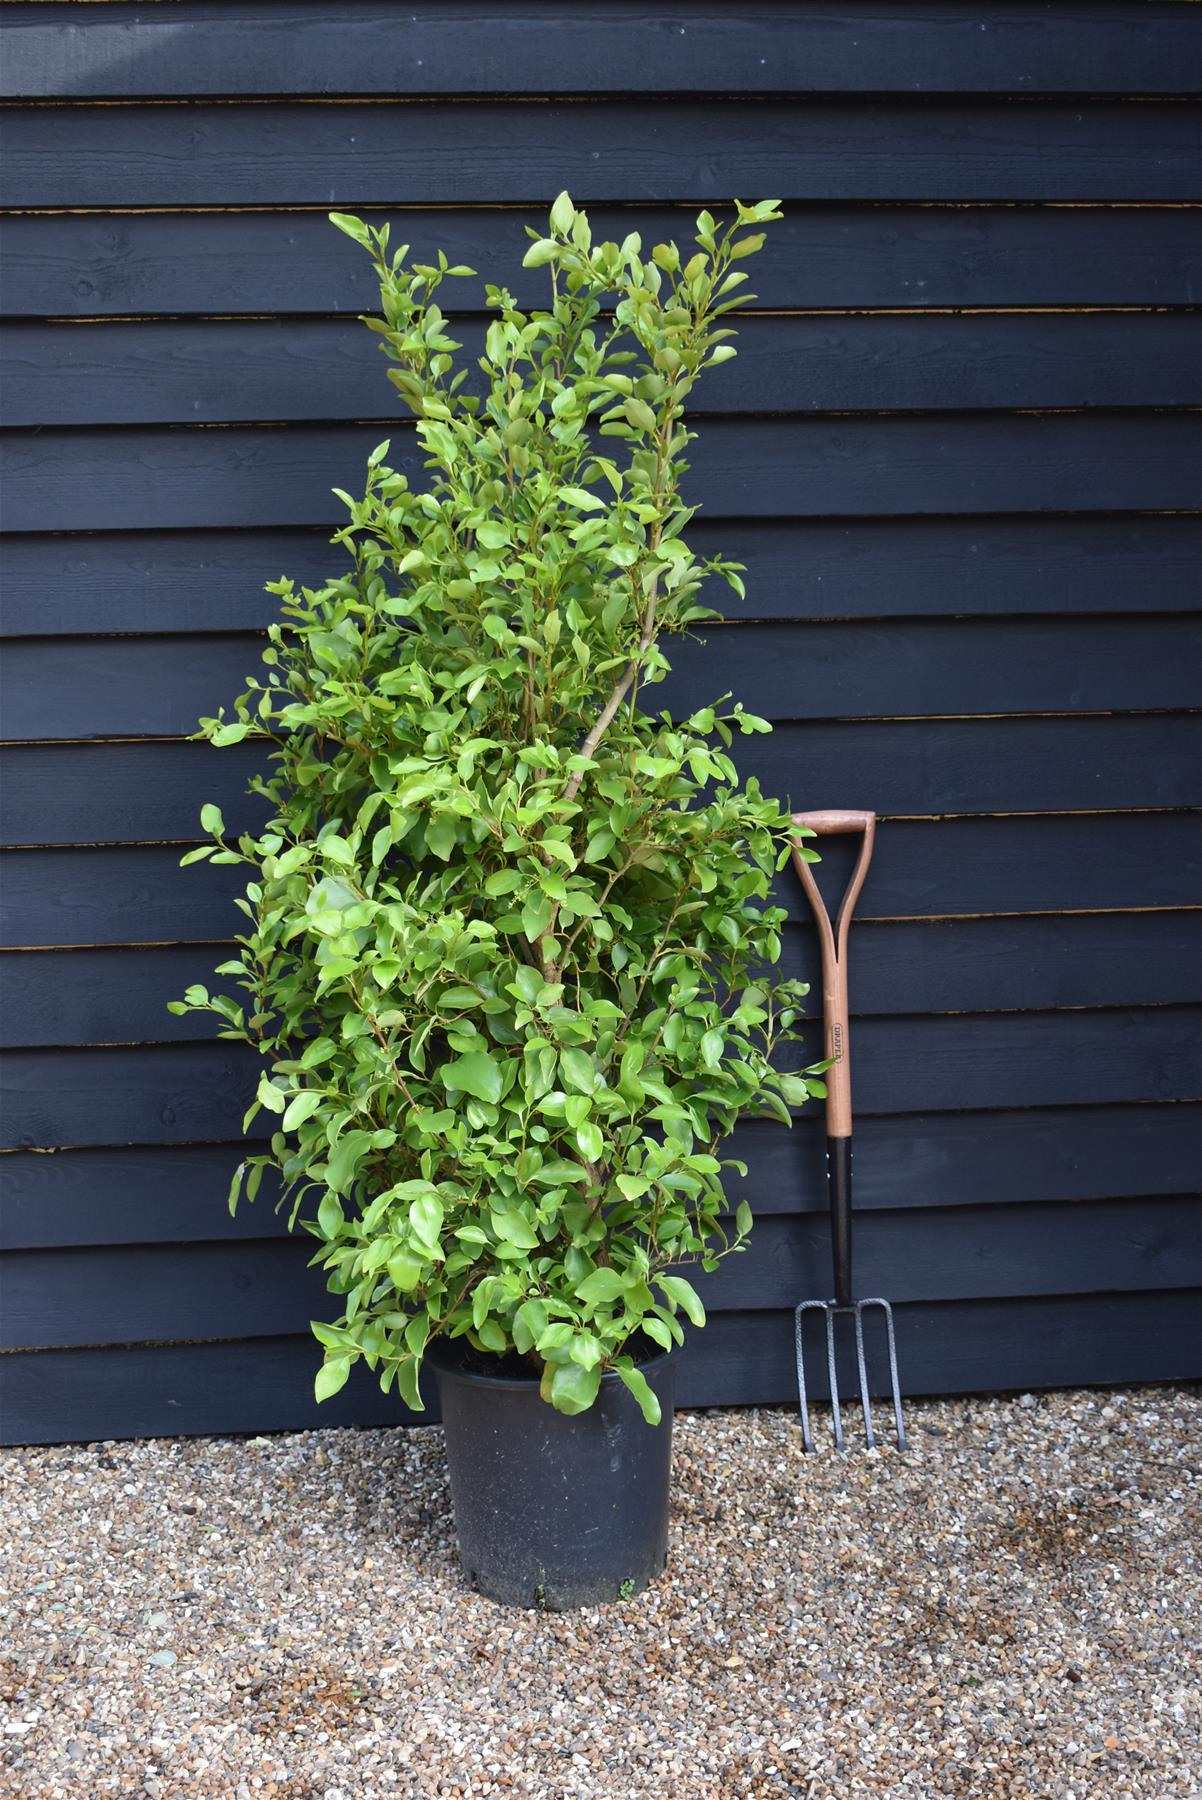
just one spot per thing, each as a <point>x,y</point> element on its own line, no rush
<point>509,964</point>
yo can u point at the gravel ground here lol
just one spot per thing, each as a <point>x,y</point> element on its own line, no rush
<point>1011,1612</point>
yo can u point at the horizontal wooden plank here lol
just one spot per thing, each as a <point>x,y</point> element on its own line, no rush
<point>263,1288</point>
<point>266,1384</point>
<point>190,1093</point>
<point>148,793</point>
<point>120,996</point>
<point>951,1254</point>
<point>435,153</point>
<point>159,686</point>
<point>78,264</point>
<point>969,1347</point>
<point>140,477</point>
<point>539,46</point>
<point>974,766</point>
<point>231,371</point>
<point>1099,862</point>
<point>177,1194</point>
<point>875,568</point>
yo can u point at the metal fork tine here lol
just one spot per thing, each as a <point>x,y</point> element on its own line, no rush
<point>807,1436</point>
<point>865,1402</point>
<point>837,1416</point>
<point>894,1383</point>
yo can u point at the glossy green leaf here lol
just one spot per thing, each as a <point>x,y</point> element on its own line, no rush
<point>685,1296</point>
<point>636,1381</point>
<point>574,1389</point>
<point>514,1228</point>
<point>331,1376</point>
<point>477,1073</point>
<point>601,1285</point>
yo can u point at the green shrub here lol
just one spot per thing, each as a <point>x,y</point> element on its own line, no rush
<point>509,964</point>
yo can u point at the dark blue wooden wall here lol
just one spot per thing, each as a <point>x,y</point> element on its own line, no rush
<point>959,452</point>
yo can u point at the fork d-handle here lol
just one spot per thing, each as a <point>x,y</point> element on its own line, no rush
<point>833,939</point>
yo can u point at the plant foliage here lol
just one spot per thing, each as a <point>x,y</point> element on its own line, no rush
<point>509,963</point>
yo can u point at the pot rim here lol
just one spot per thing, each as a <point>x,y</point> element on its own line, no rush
<point>444,1360</point>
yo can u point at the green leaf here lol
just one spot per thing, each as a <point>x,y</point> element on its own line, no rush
<point>589,1142</point>
<point>581,497</point>
<point>442,831</point>
<point>679,1290</point>
<point>344,1159</point>
<point>562,213</point>
<point>335,849</point>
<point>330,1218</point>
<point>407,1376</point>
<point>477,1073</point>
<point>426,1216</point>
<point>577,1069</point>
<point>552,1174</point>
<point>656,1329</point>
<point>211,819</point>
<point>795,1089</point>
<point>543,250</point>
<point>236,1188</point>
<point>528,982</point>
<point>529,1321</point>
<point>492,1337</point>
<point>354,228</point>
<point>574,1389</point>
<point>637,1382</point>
<point>301,1108</point>
<point>743,1219</point>
<point>331,1376</point>
<point>536,916</point>
<point>229,734</point>
<point>600,1286</point>
<point>514,1228</point>
<point>269,1095</point>
<point>504,881</point>
<point>404,1272</point>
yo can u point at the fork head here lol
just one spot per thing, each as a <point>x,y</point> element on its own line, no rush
<point>855,1311</point>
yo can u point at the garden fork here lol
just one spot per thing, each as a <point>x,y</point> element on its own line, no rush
<point>838,1133</point>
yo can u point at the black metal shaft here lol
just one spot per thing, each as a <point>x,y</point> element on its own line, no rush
<point>838,1168</point>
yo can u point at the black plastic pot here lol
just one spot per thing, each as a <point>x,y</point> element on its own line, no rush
<point>551,1510</point>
